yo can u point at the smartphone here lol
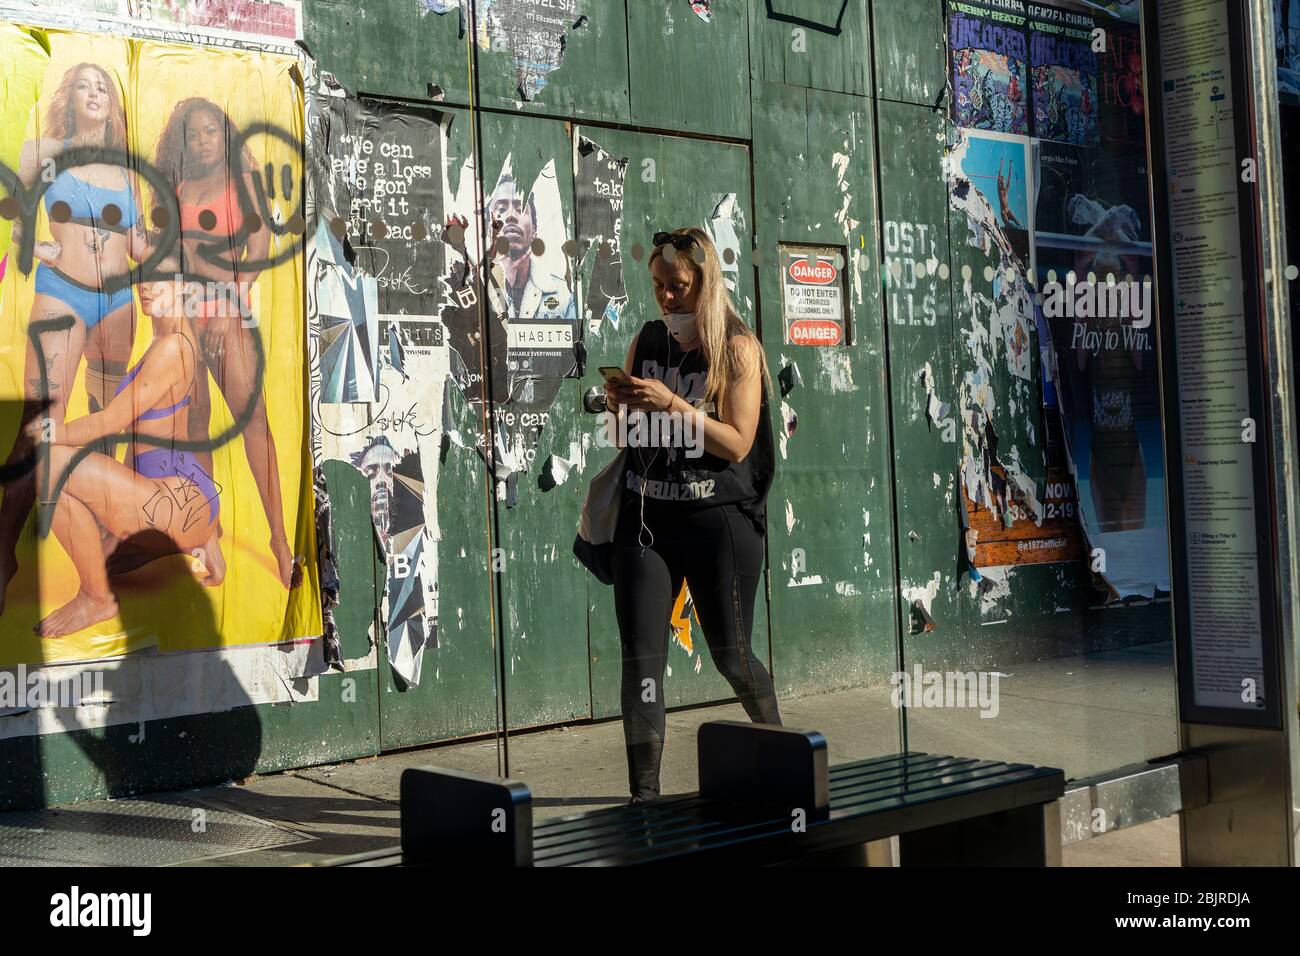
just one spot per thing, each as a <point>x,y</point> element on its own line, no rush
<point>614,374</point>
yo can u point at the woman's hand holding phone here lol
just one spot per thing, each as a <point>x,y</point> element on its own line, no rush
<point>645,395</point>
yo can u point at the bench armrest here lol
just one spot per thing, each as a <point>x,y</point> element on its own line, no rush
<point>459,818</point>
<point>777,768</point>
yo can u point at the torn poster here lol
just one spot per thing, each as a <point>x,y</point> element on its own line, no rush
<point>703,9</point>
<point>1006,520</point>
<point>326,555</point>
<point>347,303</point>
<point>535,34</point>
<point>999,169</point>
<point>724,226</point>
<point>531,285</point>
<point>920,602</point>
<point>935,410</point>
<point>1063,69</point>
<point>396,213</point>
<point>599,183</point>
<point>379,185</point>
<point>988,50</point>
<point>530,290</point>
<point>395,444</point>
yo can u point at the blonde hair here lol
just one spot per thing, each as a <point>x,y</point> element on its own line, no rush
<point>716,317</point>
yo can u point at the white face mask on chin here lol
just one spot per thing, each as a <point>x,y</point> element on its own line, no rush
<point>682,326</point>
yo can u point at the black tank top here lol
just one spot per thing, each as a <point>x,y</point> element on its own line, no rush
<point>675,482</point>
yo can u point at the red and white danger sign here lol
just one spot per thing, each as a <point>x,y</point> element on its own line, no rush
<point>812,295</point>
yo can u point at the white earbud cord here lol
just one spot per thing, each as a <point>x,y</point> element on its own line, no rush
<point>645,468</point>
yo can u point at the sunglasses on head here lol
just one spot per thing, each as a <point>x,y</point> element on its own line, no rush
<point>678,241</point>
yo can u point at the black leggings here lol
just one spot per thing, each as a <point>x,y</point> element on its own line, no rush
<point>720,554</point>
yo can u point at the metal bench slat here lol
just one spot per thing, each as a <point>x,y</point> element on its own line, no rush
<point>732,825</point>
<point>622,830</point>
<point>620,816</point>
<point>845,782</point>
<point>887,816</point>
<point>940,777</point>
<point>919,782</point>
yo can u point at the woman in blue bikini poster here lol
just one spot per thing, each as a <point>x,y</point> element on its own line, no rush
<point>83,272</point>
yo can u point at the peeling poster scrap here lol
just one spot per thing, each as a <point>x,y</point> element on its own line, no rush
<point>533,34</point>
<point>599,188</point>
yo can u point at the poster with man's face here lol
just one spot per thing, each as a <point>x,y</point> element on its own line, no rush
<point>530,284</point>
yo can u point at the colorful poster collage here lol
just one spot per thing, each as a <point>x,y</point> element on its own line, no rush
<point>1050,103</point>
<point>409,268</point>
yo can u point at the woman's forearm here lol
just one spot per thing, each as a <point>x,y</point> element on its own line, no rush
<point>720,439</point>
<point>84,430</point>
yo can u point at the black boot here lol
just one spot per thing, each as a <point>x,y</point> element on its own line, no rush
<point>643,760</point>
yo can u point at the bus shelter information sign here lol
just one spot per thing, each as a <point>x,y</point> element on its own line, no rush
<point>1216,355</point>
<point>812,295</point>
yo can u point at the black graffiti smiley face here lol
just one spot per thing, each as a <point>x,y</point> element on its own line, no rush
<point>22,204</point>
<point>271,185</point>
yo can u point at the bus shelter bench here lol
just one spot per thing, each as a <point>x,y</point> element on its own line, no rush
<point>766,797</point>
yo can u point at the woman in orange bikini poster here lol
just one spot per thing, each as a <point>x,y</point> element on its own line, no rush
<point>174,451</point>
<point>221,248</point>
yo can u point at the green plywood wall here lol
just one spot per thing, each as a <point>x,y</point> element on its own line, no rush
<point>456,696</point>
<point>829,536</point>
<point>687,74</point>
<point>822,44</point>
<point>591,82</point>
<point>542,589</point>
<point>914,202</point>
<point>393,48</point>
<point>911,53</point>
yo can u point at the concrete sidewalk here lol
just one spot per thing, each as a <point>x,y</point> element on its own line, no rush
<point>350,808</point>
<point>1085,715</point>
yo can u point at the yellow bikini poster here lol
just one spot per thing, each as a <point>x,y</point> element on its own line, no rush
<point>153,416</point>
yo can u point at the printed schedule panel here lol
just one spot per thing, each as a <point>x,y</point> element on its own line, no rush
<point>1215,392</point>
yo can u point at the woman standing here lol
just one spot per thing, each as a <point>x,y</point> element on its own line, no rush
<point>220,247</point>
<point>686,515</point>
<point>83,273</point>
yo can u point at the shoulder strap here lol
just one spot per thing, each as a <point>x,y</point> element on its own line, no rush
<point>649,343</point>
<point>765,463</point>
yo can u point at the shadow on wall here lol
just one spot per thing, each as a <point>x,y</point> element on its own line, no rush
<point>143,749</point>
<point>134,754</point>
